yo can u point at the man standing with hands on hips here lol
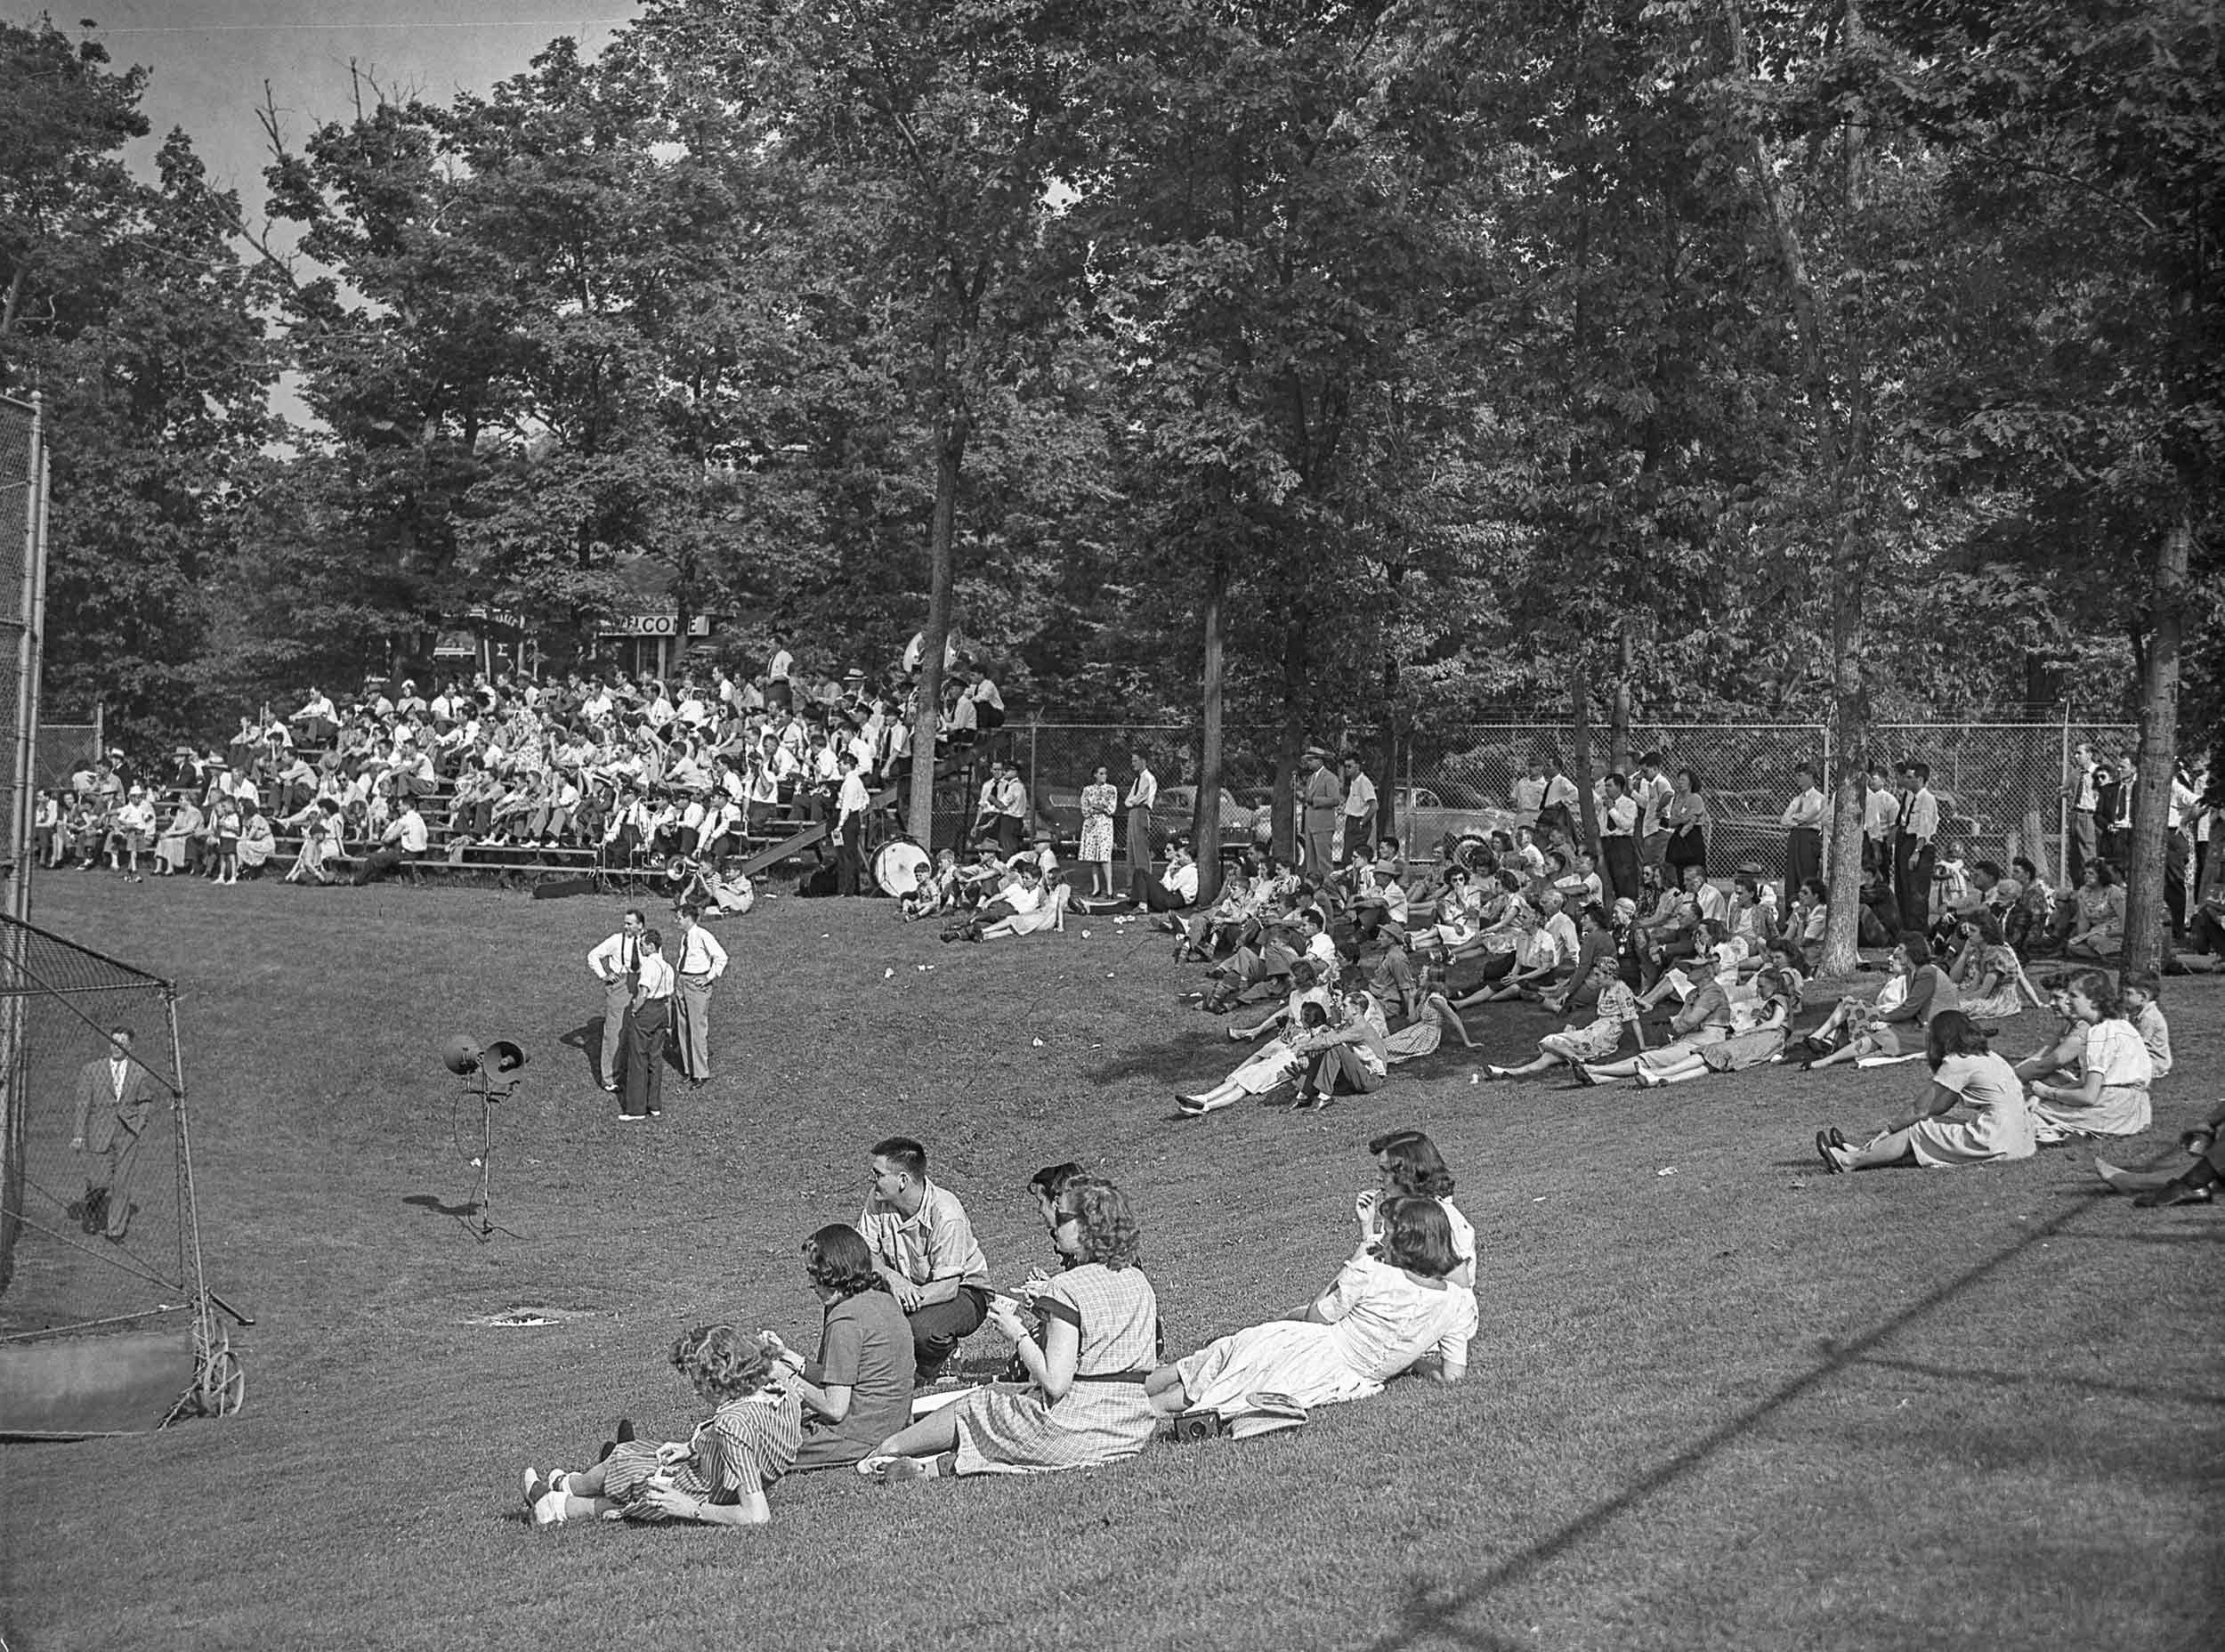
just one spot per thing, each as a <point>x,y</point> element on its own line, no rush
<point>649,1019</point>
<point>1143,798</point>
<point>701,960</point>
<point>617,964</point>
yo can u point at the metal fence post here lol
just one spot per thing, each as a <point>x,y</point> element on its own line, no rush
<point>2063,811</point>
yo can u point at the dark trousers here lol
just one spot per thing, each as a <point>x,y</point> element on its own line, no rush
<point>849,856</point>
<point>1912,862</point>
<point>2083,845</point>
<point>2177,850</point>
<point>1622,857</point>
<point>1139,840</point>
<point>645,1031</point>
<point>378,863</point>
<point>1148,893</point>
<point>107,1201</point>
<point>1803,860</point>
<point>938,1328</point>
<point>1007,835</point>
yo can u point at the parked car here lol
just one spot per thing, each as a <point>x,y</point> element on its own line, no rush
<point>1178,806</point>
<point>1426,820</point>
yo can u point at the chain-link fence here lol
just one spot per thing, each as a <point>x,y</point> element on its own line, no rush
<point>22,527</point>
<point>62,750</point>
<point>2003,786</point>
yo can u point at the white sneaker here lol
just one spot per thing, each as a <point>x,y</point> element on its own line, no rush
<point>1198,1107</point>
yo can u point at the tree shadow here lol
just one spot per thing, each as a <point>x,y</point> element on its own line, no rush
<point>1190,1059</point>
<point>1429,1611</point>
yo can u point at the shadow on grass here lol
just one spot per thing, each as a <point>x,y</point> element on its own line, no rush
<point>1430,1613</point>
<point>433,1202</point>
<point>1194,1062</point>
<point>2015,1379</point>
<point>587,1040</point>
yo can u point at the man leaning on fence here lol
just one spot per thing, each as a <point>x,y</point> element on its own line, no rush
<point>115,1100</point>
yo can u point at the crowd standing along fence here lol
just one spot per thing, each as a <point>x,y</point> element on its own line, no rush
<point>2003,786</point>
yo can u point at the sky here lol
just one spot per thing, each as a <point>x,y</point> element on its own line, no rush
<point>210,59</point>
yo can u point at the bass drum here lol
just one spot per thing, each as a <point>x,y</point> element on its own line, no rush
<point>898,866</point>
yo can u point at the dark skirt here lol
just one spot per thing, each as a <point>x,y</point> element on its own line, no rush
<point>1687,847</point>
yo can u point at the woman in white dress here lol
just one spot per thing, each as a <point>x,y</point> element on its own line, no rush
<point>2110,1096</point>
<point>1085,1405</point>
<point>1391,1308</point>
<point>1965,1075</point>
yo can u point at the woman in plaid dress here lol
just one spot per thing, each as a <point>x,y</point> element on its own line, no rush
<point>1086,1404</point>
<point>718,1475</point>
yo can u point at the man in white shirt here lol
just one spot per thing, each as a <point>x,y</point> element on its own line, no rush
<point>616,963</point>
<point>1880,811</point>
<point>850,812</point>
<point>404,836</point>
<point>1915,851</point>
<point>1803,833</point>
<point>777,667</point>
<point>648,1018</point>
<point>1012,812</point>
<point>1360,803</point>
<point>1651,791</point>
<point>2082,792</point>
<point>700,960</point>
<point>132,832</point>
<point>1142,797</point>
<point>1177,893</point>
<point>1528,794</point>
<point>319,723</point>
<point>988,704</point>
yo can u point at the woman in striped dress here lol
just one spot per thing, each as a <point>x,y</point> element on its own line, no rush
<point>1086,1404</point>
<point>718,1474</point>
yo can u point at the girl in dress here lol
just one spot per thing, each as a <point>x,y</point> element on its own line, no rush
<point>1597,965</point>
<point>1986,972</point>
<point>255,843</point>
<point>1428,1016</point>
<point>225,863</point>
<point>1086,1404</point>
<point>1761,1018</point>
<point>1616,1012</point>
<point>1099,798</point>
<point>858,1390</point>
<point>1412,1167</point>
<point>1705,1018</point>
<point>2097,927</point>
<point>1964,1073</point>
<point>718,1474</point>
<point>1390,1309</point>
<point>2110,1096</point>
<point>1889,1030</point>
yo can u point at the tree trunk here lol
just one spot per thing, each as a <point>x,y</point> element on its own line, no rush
<point>1618,712</point>
<point>950,460</point>
<point>1580,753</point>
<point>1292,741</point>
<point>2146,918</point>
<point>1850,714</point>
<point>1385,769</point>
<point>1205,823</point>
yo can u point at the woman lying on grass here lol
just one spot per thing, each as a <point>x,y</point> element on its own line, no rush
<point>1964,1073</point>
<point>1085,1406</point>
<point>1391,1308</point>
<point>2109,1094</point>
<point>1615,1013</point>
<point>1703,1019</point>
<point>718,1474</point>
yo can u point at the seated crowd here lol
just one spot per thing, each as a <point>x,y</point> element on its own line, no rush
<point>684,776</point>
<point>1089,1383</point>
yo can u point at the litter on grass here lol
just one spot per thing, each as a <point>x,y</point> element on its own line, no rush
<point>1666,1170</point>
<point>521,1318</point>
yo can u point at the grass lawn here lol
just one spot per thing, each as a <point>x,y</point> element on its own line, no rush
<point>1719,1399</point>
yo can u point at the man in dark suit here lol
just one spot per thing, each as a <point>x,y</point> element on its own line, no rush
<point>115,1100</point>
